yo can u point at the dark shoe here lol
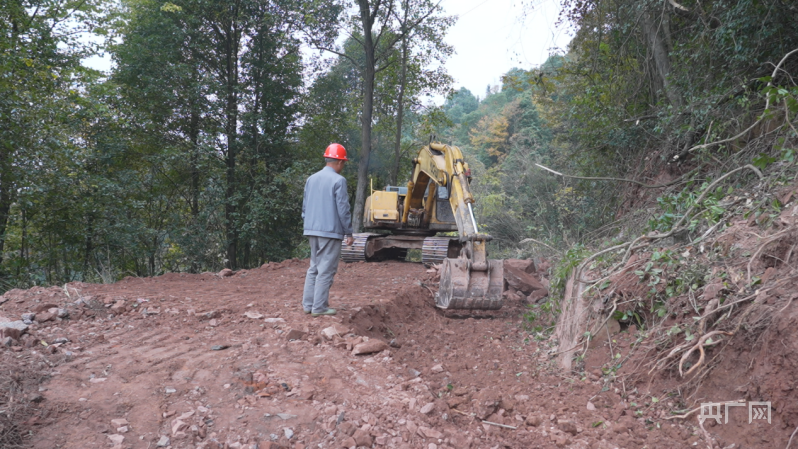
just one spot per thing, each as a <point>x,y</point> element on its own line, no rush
<point>326,312</point>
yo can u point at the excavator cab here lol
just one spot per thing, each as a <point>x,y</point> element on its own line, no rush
<point>437,199</point>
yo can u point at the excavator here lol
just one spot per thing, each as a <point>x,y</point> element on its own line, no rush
<point>436,200</point>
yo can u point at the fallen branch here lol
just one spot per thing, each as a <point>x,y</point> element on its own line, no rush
<point>683,416</point>
<point>790,442</point>
<point>499,425</point>
<point>601,178</point>
<point>483,421</point>
<point>527,240</point>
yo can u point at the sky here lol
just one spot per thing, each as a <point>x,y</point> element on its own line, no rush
<point>489,37</point>
<point>492,36</point>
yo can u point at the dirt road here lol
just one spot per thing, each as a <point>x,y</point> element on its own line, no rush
<point>203,361</point>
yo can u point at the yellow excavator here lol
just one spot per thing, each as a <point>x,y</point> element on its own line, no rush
<point>437,199</point>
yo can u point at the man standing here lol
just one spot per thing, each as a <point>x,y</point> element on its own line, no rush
<point>325,209</point>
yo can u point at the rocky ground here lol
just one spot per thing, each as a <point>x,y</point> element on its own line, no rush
<point>214,361</point>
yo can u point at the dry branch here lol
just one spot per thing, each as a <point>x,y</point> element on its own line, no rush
<point>601,178</point>
<point>527,240</point>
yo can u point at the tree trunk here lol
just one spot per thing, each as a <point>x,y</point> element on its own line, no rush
<point>193,132</point>
<point>231,132</point>
<point>368,105</point>
<point>397,149</point>
<point>6,196</point>
<point>658,49</point>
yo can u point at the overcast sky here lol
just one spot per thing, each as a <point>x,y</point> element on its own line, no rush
<point>492,36</point>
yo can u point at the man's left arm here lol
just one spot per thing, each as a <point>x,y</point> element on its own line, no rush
<point>342,204</point>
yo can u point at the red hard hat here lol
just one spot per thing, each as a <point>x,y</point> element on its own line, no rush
<point>336,151</point>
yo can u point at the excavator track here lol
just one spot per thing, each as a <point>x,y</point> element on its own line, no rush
<point>356,252</point>
<point>435,249</point>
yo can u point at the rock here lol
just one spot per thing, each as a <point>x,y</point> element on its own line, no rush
<point>45,317</point>
<point>119,422</point>
<point>370,347</point>
<point>8,342</point>
<point>288,433</point>
<point>253,315</point>
<point>226,273</point>
<point>116,439</point>
<point>525,265</point>
<point>521,280</point>
<point>349,442</point>
<point>601,335</point>
<point>208,315</point>
<point>507,404</point>
<point>533,420</point>
<point>487,402</point>
<point>336,329</point>
<point>295,334</point>
<point>274,320</point>
<point>62,313</point>
<point>427,409</point>
<point>567,426</point>
<point>381,440</point>
<point>44,307</point>
<point>347,428</point>
<point>591,407</point>
<point>163,442</point>
<point>429,433</point>
<point>362,438</point>
<point>537,295</point>
<point>123,429</point>
<point>560,439</point>
<point>28,318</point>
<point>13,329</point>
<point>170,390</point>
<point>437,368</point>
<point>178,426</point>
<point>119,306</point>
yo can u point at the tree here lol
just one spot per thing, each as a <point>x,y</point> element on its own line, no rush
<point>374,28</point>
<point>238,68</point>
<point>40,54</point>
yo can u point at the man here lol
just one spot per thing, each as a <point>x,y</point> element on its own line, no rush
<point>325,209</point>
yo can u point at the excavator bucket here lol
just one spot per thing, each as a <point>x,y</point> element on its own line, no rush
<point>462,287</point>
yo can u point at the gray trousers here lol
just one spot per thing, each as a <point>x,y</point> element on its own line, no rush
<point>324,255</point>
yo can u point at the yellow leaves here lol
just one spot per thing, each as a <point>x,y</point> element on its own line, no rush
<point>491,134</point>
<point>170,7</point>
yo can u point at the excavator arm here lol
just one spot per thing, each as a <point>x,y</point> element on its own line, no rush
<point>471,281</point>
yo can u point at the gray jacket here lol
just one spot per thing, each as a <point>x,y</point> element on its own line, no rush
<point>325,207</point>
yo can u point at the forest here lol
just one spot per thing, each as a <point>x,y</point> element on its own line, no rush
<point>191,154</point>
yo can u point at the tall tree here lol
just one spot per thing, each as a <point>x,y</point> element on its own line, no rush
<point>420,47</point>
<point>376,30</point>
<point>40,52</point>
<point>238,71</point>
